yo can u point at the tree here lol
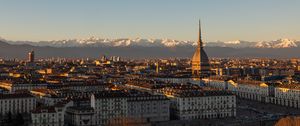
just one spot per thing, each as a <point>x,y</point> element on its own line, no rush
<point>8,117</point>
<point>19,121</point>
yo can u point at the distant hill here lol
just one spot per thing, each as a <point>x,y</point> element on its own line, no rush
<point>20,51</point>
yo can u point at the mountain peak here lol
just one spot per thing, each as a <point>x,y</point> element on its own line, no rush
<point>233,42</point>
<point>279,43</point>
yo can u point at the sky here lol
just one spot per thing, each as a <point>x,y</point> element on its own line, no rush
<point>223,20</point>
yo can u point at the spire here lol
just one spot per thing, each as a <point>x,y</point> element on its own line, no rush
<point>200,43</point>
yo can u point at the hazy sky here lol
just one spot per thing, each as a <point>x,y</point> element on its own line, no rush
<point>223,20</point>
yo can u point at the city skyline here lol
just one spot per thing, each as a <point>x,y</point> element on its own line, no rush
<point>224,21</point>
<point>162,63</point>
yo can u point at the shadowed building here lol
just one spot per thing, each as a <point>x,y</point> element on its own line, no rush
<point>200,62</point>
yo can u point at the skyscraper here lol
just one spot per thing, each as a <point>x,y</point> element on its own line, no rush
<point>31,56</point>
<point>200,62</point>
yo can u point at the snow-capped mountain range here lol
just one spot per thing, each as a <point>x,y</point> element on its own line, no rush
<point>99,42</point>
<point>126,42</point>
<point>280,43</point>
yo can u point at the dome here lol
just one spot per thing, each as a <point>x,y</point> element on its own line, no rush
<point>200,56</point>
<point>200,61</point>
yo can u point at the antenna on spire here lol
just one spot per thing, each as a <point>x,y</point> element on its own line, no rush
<point>200,38</point>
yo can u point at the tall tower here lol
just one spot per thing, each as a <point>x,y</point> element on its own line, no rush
<point>157,68</point>
<point>200,62</point>
<point>31,56</point>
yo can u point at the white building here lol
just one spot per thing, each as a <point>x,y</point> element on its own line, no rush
<point>127,107</point>
<point>193,103</point>
<point>50,115</point>
<point>148,108</point>
<point>252,90</point>
<point>285,95</point>
<point>16,103</point>
<point>110,107</point>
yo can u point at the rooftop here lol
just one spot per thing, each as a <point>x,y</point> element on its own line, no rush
<point>17,95</point>
<point>187,90</point>
<point>124,94</point>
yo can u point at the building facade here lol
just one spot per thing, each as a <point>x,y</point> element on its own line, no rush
<point>16,103</point>
<point>192,102</point>
<point>285,95</point>
<point>80,116</point>
<point>50,115</point>
<point>133,107</point>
